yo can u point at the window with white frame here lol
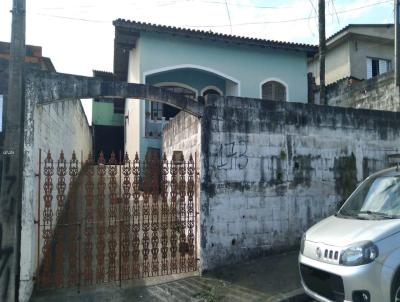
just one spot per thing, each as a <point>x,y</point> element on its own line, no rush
<point>376,66</point>
<point>274,91</point>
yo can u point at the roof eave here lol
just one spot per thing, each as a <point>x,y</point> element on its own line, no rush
<point>145,27</point>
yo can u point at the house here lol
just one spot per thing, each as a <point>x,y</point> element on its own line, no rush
<point>107,121</point>
<point>198,63</point>
<point>358,52</point>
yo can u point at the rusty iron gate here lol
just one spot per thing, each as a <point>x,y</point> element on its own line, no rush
<point>115,220</point>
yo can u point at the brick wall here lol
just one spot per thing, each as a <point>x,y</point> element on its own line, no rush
<point>270,170</point>
<point>377,93</point>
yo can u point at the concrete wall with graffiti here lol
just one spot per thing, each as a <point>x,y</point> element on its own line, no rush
<point>270,170</point>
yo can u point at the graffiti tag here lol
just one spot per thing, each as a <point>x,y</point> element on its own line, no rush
<point>232,155</point>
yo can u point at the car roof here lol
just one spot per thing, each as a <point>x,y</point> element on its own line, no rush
<point>393,171</point>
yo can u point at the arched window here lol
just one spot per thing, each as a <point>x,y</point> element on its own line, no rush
<point>183,90</point>
<point>274,91</point>
<point>159,110</point>
<point>208,91</point>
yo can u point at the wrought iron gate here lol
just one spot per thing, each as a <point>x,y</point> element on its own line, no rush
<point>115,220</point>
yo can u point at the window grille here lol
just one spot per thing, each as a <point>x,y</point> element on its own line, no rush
<point>376,67</point>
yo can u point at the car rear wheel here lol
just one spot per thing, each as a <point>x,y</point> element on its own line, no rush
<point>396,290</point>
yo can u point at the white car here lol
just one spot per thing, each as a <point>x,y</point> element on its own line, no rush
<point>354,255</point>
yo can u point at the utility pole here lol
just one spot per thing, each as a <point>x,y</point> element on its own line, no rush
<point>397,43</point>
<point>12,157</point>
<point>322,51</point>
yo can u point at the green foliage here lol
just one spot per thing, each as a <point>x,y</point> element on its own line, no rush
<point>209,295</point>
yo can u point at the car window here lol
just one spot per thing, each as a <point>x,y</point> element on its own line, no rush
<point>379,196</point>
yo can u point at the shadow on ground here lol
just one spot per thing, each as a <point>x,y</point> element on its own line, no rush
<point>273,278</point>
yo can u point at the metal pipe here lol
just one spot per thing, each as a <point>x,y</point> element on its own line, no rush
<point>120,219</point>
<point>322,51</point>
<point>79,256</point>
<point>38,217</point>
<point>397,43</point>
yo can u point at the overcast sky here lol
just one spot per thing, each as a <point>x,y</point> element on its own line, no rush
<point>78,35</point>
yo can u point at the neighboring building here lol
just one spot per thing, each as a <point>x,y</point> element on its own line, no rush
<point>358,51</point>
<point>33,59</point>
<point>198,63</point>
<point>107,122</point>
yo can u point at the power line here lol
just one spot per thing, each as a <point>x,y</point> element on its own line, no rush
<point>313,6</point>
<point>226,25</point>
<point>309,26</point>
<point>104,4</point>
<point>101,4</point>
<point>174,2</point>
<point>244,5</point>
<point>229,15</point>
<point>74,19</point>
<point>316,13</point>
<point>291,20</point>
<point>334,9</point>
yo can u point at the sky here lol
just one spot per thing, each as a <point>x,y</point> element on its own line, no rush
<point>78,35</point>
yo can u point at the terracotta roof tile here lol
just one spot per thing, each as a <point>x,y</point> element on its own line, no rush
<point>201,34</point>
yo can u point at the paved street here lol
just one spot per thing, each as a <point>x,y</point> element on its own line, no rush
<point>273,279</point>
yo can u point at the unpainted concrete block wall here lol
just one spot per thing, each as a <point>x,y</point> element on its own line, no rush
<point>63,126</point>
<point>377,93</point>
<point>271,169</point>
<point>57,127</point>
<point>182,134</point>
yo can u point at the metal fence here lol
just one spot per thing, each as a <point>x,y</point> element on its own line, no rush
<point>115,220</point>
